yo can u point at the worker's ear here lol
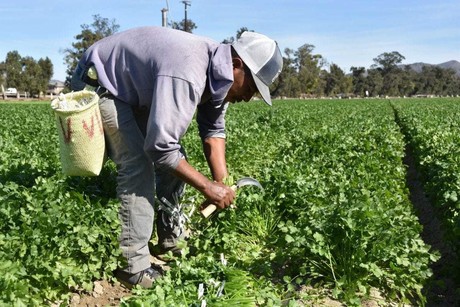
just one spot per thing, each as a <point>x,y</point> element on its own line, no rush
<point>238,63</point>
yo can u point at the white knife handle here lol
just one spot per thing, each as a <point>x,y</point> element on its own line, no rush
<point>206,212</point>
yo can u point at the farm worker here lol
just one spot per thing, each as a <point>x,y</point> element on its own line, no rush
<point>151,82</point>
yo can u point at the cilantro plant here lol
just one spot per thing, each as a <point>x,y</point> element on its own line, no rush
<point>334,214</point>
<point>433,133</point>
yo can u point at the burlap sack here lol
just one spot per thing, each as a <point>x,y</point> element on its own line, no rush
<point>81,136</point>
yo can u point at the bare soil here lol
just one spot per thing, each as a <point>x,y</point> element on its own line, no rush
<point>105,293</point>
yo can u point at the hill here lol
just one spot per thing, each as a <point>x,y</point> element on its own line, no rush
<point>454,65</point>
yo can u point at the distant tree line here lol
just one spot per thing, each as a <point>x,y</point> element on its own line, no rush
<point>305,74</point>
<point>25,73</point>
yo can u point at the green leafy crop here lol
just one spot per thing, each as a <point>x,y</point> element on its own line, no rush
<point>334,213</point>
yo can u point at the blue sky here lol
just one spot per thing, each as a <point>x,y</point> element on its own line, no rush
<point>347,33</point>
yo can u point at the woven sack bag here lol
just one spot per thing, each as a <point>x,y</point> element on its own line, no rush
<point>81,136</point>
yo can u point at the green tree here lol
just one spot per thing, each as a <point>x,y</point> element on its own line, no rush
<point>2,73</point>
<point>437,81</point>
<point>181,25</point>
<point>407,84</point>
<point>31,76</point>
<point>13,69</point>
<point>308,67</point>
<point>287,83</point>
<point>47,69</point>
<point>374,82</point>
<point>45,75</point>
<point>335,81</point>
<point>27,74</point>
<point>100,28</point>
<point>392,82</point>
<point>452,83</point>
<point>387,63</point>
<point>358,75</point>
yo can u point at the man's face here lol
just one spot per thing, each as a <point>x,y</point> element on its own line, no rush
<point>243,87</point>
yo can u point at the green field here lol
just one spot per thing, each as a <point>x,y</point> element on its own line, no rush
<point>334,218</point>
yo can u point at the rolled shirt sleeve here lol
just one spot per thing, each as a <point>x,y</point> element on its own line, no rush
<point>211,120</point>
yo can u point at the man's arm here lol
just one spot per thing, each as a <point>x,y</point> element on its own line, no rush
<point>215,192</point>
<point>214,151</point>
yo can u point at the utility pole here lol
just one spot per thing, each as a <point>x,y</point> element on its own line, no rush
<point>164,15</point>
<point>186,3</point>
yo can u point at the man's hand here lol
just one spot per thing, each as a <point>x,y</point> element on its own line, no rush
<point>219,194</point>
<point>216,193</point>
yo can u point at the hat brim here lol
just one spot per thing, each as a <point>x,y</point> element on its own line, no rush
<point>263,89</point>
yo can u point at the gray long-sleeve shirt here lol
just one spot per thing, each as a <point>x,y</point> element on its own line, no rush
<point>172,73</point>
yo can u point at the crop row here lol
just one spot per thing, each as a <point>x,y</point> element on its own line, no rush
<point>350,222</point>
<point>334,212</point>
<point>335,209</point>
<point>433,133</point>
